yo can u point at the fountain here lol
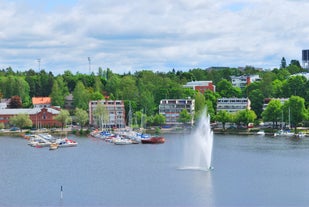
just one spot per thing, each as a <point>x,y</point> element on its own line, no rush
<point>198,148</point>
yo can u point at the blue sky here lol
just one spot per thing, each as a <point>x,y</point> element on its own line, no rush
<point>127,35</point>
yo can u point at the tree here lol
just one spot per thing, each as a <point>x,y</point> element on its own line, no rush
<point>21,121</point>
<point>56,96</point>
<point>227,90</point>
<point>245,116</point>
<point>81,96</point>
<point>63,117</point>
<point>273,112</point>
<point>15,102</point>
<point>96,96</point>
<point>223,116</point>
<point>199,102</point>
<point>184,116</point>
<point>59,91</point>
<point>100,114</point>
<point>295,110</point>
<point>81,117</point>
<point>147,102</point>
<point>159,119</point>
<point>256,97</point>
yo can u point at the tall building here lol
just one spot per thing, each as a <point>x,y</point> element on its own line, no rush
<point>305,59</point>
<point>233,104</point>
<point>201,86</point>
<point>171,108</point>
<point>115,112</point>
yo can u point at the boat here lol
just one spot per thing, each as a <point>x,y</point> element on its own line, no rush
<point>153,140</point>
<point>122,141</point>
<point>284,133</point>
<point>53,146</point>
<point>261,132</point>
<point>40,140</point>
<point>65,142</point>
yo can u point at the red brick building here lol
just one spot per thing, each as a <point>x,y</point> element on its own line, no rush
<point>201,86</point>
<point>40,117</point>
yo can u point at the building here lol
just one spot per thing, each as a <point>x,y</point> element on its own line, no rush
<point>305,59</point>
<point>201,86</point>
<point>115,111</point>
<point>69,102</point>
<point>233,105</point>
<point>243,81</point>
<point>41,102</point>
<point>40,117</point>
<point>171,108</point>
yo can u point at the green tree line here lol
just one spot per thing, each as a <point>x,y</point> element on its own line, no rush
<point>144,89</point>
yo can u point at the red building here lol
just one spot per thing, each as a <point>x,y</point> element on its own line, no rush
<point>40,117</point>
<point>201,86</point>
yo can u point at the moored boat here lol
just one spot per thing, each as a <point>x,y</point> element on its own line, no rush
<point>153,140</point>
<point>53,146</point>
<point>65,142</point>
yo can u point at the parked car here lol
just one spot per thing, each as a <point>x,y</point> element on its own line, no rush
<point>13,129</point>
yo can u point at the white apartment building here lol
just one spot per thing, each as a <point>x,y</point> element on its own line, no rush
<point>115,110</point>
<point>233,105</point>
<point>243,81</point>
<point>171,108</point>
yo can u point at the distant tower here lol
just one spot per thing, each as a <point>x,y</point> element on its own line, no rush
<point>39,62</point>
<point>89,60</point>
<point>305,59</point>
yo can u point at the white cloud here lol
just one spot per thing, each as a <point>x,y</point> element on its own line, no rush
<point>159,35</point>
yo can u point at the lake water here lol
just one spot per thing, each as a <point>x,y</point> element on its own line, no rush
<point>249,171</point>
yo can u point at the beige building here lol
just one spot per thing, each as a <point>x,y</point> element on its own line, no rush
<point>171,108</point>
<point>115,112</point>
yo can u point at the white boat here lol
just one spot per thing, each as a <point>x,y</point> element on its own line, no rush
<point>122,141</point>
<point>65,142</point>
<point>40,140</point>
<point>261,132</point>
<point>283,133</point>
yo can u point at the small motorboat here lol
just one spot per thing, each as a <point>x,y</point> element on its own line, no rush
<point>53,146</point>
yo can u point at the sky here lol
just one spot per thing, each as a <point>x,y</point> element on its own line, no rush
<point>129,35</point>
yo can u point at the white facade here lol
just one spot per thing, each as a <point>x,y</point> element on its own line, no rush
<point>115,110</point>
<point>233,105</point>
<point>171,108</point>
<point>243,81</point>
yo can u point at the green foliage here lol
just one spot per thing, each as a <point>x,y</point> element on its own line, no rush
<point>159,120</point>
<point>63,117</point>
<point>146,88</point>
<point>81,117</point>
<point>21,121</point>
<point>81,96</point>
<point>273,112</point>
<point>245,117</point>
<point>227,90</point>
<point>224,117</point>
<point>295,111</point>
<point>184,117</point>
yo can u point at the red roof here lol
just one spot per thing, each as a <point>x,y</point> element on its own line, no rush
<point>41,100</point>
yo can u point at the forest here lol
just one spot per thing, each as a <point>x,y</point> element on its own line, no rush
<point>144,89</point>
